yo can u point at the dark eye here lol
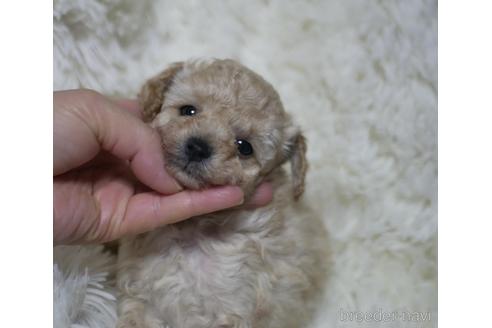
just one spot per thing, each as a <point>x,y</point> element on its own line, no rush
<point>187,110</point>
<point>244,147</point>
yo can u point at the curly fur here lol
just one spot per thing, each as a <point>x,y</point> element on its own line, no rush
<point>237,268</point>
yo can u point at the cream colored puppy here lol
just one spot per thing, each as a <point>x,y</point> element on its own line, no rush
<point>223,124</point>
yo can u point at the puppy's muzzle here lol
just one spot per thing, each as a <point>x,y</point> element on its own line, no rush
<point>197,149</point>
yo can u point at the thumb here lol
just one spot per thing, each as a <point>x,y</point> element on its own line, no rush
<point>102,125</point>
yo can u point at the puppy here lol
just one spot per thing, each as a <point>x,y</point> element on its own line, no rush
<point>222,124</point>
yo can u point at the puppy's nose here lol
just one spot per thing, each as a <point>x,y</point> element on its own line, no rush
<point>197,149</point>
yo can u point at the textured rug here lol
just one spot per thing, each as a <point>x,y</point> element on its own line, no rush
<point>361,79</point>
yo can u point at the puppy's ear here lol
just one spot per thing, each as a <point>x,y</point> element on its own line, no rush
<point>151,96</point>
<point>296,153</point>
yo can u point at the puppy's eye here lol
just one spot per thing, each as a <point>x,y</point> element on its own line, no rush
<point>244,147</point>
<point>187,110</point>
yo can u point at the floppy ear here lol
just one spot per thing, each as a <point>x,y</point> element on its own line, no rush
<point>151,96</point>
<point>297,154</point>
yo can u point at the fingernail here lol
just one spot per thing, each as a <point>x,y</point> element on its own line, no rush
<point>175,183</point>
<point>233,195</point>
<point>241,199</point>
<point>171,185</point>
<point>178,186</point>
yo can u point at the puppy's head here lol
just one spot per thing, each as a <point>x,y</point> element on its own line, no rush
<point>222,124</point>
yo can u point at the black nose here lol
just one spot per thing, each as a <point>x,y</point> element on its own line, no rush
<point>197,149</point>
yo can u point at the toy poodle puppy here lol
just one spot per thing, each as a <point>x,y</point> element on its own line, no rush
<point>222,124</point>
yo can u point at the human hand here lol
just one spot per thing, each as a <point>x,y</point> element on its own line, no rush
<point>109,179</point>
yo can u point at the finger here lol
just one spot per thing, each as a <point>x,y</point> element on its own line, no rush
<point>131,139</point>
<point>147,211</point>
<point>262,196</point>
<point>121,134</point>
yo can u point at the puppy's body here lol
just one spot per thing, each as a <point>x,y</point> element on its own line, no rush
<point>235,268</point>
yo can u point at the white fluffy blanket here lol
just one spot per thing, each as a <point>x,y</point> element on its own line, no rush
<point>359,76</point>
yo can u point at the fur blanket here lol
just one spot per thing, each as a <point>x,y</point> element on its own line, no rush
<point>359,76</point>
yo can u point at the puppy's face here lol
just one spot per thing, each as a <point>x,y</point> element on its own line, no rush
<point>221,124</point>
